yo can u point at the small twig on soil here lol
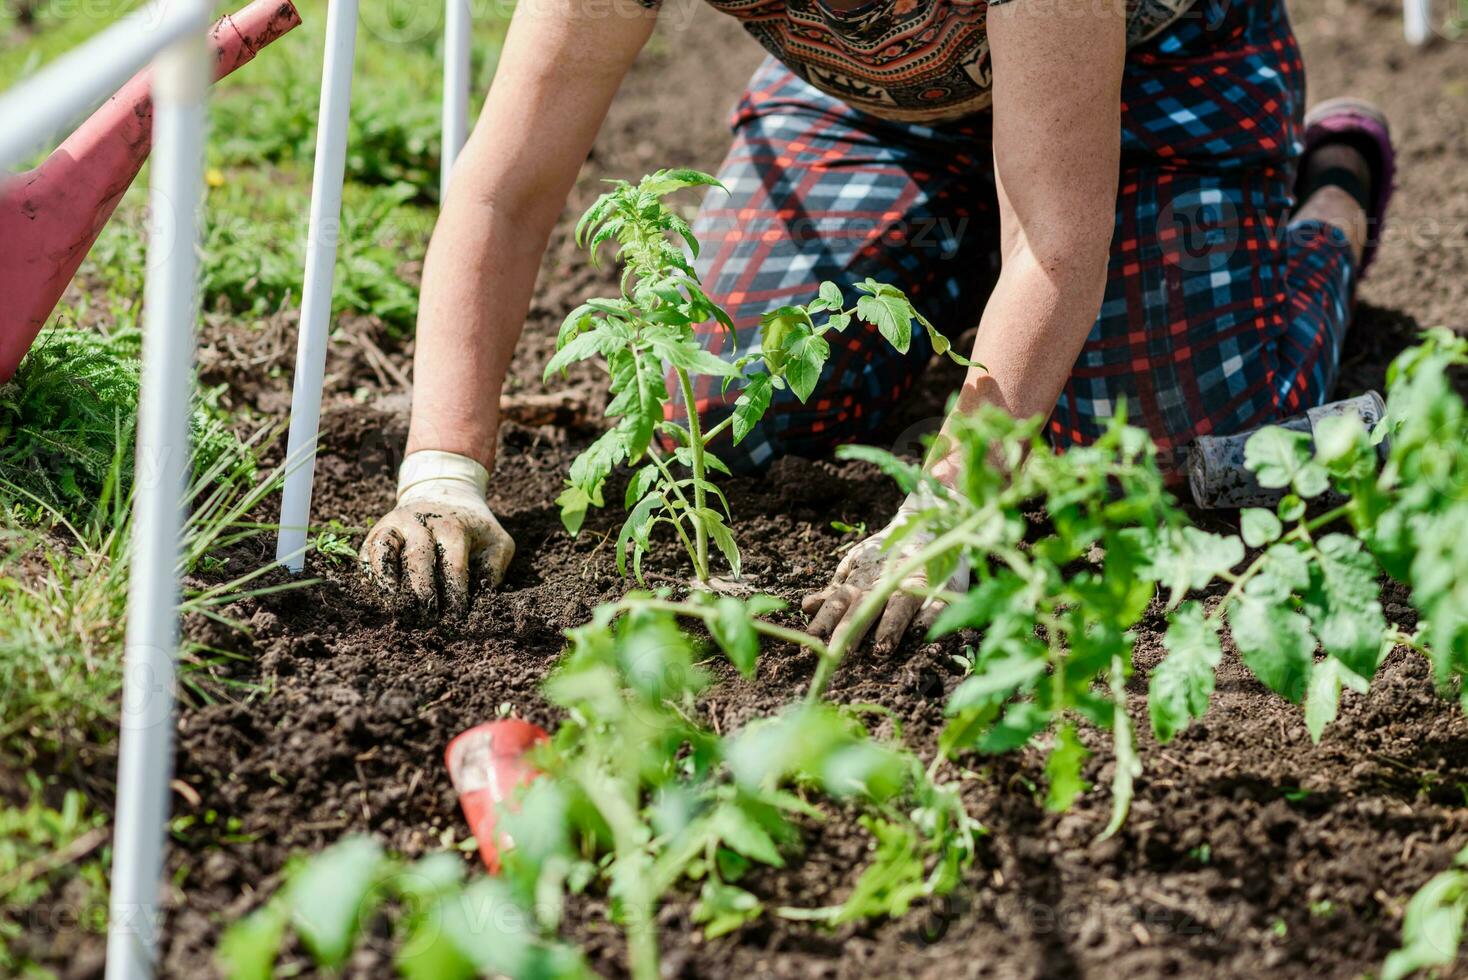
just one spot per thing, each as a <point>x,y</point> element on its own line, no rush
<point>186,791</point>
<point>71,853</point>
<point>369,346</point>
<point>362,783</point>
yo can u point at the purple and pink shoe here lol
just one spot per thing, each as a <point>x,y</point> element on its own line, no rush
<point>1363,127</point>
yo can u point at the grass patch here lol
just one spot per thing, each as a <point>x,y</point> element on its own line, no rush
<point>49,855</point>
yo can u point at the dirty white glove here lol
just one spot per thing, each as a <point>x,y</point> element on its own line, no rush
<point>863,566</point>
<point>441,529</point>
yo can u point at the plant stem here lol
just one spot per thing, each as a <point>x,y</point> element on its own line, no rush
<point>704,614</point>
<point>696,441</point>
<point>714,433</point>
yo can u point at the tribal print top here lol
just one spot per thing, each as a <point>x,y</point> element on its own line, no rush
<point>907,60</point>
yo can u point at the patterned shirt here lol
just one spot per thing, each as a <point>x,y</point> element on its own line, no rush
<point>908,60</point>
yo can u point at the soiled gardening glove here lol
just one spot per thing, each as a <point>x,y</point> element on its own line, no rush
<point>440,531</point>
<point>833,608</point>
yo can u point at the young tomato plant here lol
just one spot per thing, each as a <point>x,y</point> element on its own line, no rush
<point>638,798</point>
<point>646,336</point>
<point>1055,603</point>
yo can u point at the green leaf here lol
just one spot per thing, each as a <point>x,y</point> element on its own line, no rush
<point>997,679</point>
<point>744,835</point>
<point>1283,458</point>
<point>733,630</point>
<point>1275,643</point>
<point>1180,686</point>
<point>586,344</point>
<point>248,948</point>
<point>1322,700</point>
<point>1190,559</point>
<point>635,528</point>
<point>642,481</point>
<point>1432,928</point>
<point>664,182</point>
<point>722,908</point>
<point>687,353</point>
<point>1259,527</point>
<point>803,370</point>
<point>892,881</point>
<point>1343,603</point>
<point>751,405</point>
<point>831,293</point>
<point>429,954</point>
<point>891,315</point>
<point>1021,722</point>
<point>723,538</point>
<point>573,502</point>
<point>966,728</point>
<point>1063,770</point>
<point>332,894</point>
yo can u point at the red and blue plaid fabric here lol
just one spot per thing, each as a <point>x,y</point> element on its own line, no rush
<point>1219,313</point>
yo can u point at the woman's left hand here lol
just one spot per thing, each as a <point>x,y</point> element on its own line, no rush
<point>838,609</point>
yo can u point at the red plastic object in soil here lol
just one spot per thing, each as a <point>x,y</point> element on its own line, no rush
<point>487,763</point>
<point>51,216</point>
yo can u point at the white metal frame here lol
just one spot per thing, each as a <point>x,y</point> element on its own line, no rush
<point>170,35</point>
<point>1417,21</point>
<point>326,194</point>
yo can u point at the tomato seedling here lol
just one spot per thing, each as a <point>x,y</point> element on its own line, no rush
<point>646,336</point>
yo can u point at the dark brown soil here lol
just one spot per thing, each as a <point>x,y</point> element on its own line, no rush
<point>1248,852</point>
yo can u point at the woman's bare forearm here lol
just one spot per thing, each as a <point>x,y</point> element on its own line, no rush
<point>561,64</point>
<point>477,283</point>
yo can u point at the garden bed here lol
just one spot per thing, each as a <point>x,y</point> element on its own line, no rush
<point>1248,849</point>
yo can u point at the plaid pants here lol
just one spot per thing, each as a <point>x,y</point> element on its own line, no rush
<point>1219,313</point>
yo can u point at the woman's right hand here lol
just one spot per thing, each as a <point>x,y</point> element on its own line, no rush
<point>441,538</point>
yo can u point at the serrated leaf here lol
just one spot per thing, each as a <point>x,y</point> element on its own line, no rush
<point>1275,644</point>
<point>803,369</point>
<point>1190,559</point>
<point>635,528</point>
<point>1284,458</point>
<point>1022,721</point>
<point>578,348</point>
<point>831,293</point>
<point>891,315</point>
<point>902,472</point>
<point>686,353</point>
<point>723,538</point>
<point>1343,603</point>
<point>664,182</point>
<point>751,405</point>
<point>642,481</point>
<point>998,679</point>
<point>1063,770</point>
<point>1180,686</point>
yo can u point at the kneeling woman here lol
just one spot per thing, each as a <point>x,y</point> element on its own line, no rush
<point>1167,225</point>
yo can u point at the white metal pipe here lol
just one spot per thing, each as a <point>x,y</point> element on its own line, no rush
<point>1417,20</point>
<point>170,307</point>
<point>457,31</point>
<point>325,228</point>
<point>40,110</point>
